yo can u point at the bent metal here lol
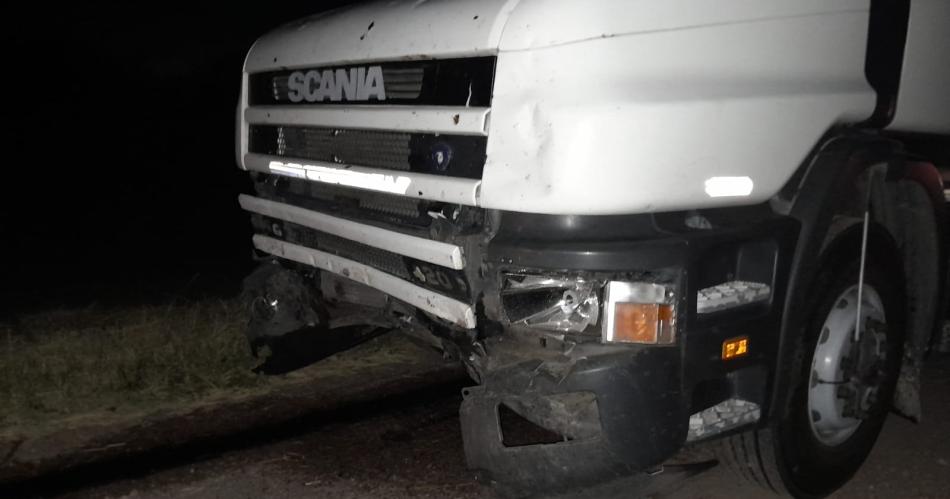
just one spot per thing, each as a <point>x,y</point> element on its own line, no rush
<point>355,84</point>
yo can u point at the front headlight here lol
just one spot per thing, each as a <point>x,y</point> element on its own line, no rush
<point>633,312</point>
<point>554,303</point>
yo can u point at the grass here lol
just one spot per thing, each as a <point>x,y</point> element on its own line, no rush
<point>66,363</point>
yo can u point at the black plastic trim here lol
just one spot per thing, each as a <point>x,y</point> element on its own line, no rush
<point>617,242</point>
<point>887,36</point>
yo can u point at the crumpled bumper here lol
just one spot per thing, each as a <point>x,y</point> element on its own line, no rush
<point>639,420</point>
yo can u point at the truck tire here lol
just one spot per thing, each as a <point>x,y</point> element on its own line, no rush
<point>825,429</point>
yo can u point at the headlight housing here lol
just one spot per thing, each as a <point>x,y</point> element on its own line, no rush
<point>553,303</point>
<point>620,311</point>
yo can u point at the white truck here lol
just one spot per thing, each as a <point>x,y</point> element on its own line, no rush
<point>640,225</point>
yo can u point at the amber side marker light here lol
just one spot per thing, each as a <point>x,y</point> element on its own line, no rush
<point>639,312</point>
<point>735,347</point>
<point>648,323</point>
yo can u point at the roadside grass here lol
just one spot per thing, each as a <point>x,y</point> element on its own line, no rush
<point>66,363</point>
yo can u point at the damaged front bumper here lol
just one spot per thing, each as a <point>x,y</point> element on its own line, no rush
<point>604,410</point>
<point>529,315</point>
<point>615,414</point>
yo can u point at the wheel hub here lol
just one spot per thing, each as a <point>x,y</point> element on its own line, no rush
<point>847,368</point>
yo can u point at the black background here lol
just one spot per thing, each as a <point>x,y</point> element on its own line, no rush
<point>119,180</point>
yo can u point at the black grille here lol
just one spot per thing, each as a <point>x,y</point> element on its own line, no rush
<point>450,155</point>
<point>403,83</point>
<point>446,82</point>
<point>391,263</point>
<point>353,147</point>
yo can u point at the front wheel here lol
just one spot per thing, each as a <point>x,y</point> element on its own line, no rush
<point>849,359</point>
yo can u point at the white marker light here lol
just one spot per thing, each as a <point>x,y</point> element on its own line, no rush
<point>372,181</point>
<point>719,187</point>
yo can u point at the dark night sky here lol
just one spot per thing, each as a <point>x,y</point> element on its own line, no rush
<point>122,183</point>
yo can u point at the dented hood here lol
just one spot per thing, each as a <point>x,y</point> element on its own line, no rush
<point>385,31</point>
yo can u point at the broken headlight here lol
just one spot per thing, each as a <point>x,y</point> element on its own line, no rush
<point>555,303</point>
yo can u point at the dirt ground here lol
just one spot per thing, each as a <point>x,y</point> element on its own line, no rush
<point>415,451</point>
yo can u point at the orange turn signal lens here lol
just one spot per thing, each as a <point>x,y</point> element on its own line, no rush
<point>735,347</point>
<point>639,312</point>
<point>650,323</point>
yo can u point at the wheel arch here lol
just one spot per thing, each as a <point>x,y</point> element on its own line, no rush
<point>846,171</point>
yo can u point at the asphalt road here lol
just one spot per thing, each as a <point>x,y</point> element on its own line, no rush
<point>416,452</point>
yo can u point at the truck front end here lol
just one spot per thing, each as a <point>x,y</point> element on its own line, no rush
<point>578,201</point>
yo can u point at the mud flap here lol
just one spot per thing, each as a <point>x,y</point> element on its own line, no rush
<point>907,393</point>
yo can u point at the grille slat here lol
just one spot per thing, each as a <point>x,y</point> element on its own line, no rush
<point>404,71</point>
<point>378,258</point>
<point>450,282</point>
<point>406,87</point>
<point>390,263</point>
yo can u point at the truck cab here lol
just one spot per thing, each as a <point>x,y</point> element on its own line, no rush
<point>638,225</point>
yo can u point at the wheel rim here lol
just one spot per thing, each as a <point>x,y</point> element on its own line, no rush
<point>847,368</point>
